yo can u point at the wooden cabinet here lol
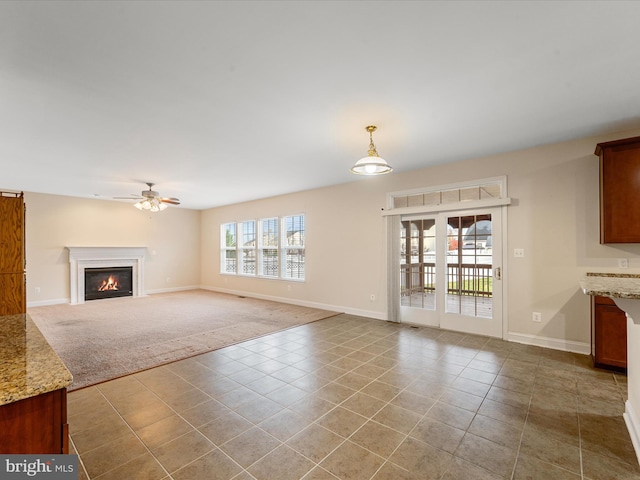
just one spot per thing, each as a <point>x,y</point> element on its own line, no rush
<point>35,425</point>
<point>619,190</point>
<point>33,396</point>
<point>30,422</point>
<point>12,255</point>
<point>608,335</point>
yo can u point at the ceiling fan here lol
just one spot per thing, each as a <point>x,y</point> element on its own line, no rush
<point>151,200</point>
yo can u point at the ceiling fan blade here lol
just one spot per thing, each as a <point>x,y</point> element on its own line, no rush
<point>170,200</point>
<point>132,197</point>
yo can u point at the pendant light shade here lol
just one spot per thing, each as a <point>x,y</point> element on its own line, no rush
<point>372,164</point>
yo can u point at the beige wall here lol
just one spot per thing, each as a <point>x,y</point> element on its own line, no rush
<point>554,218</point>
<point>344,244</point>
<point>172,238</point>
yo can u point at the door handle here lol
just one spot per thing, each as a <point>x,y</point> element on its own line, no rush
<point>497,273</point>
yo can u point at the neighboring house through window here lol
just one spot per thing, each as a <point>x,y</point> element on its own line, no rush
<point>268,254</point>
<point>229,242</point>
<point>247,248</point>
<point>294,251</point>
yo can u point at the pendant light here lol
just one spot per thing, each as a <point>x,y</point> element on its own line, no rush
<point>372,164</point>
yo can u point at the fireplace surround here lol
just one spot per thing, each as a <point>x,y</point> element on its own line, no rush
<point>81,258</point>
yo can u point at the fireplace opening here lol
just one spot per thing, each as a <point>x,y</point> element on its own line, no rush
<point>108,282</point>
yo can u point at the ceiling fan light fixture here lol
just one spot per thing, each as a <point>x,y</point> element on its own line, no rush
<point>150,200</point>
<point>372,164</point>
<point>151,204</point>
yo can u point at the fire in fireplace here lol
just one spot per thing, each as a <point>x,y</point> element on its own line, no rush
<point>108,282</point>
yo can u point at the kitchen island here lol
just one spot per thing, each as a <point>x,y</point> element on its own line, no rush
<point>624,289</point>
<point>33,390</point>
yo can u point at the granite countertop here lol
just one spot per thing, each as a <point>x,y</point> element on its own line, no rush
<point>614,285</point>
<point>28,364</point>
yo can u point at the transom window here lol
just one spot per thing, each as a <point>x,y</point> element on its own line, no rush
<point>269,248</point>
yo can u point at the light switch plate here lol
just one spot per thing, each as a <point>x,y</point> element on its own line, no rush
<point>518,252</point>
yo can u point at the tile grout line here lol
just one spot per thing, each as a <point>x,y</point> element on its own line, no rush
<point>422,417</point>
<point>245,469</point>
<point>515,463</point>
<point>343,340</point>
<point>197,429</point>
<point>132,431</point>
<point>186,421</point>
<point>345,439</point>
<point>282,443</point>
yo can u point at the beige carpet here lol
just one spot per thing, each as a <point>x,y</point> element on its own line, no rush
<point>105,339</point>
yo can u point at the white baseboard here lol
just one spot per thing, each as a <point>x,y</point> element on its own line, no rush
<point>553,343</point>
<point>361,313</point>
<point>546,342</point>
<point>302,303</point>
<point>631,419</point>
<point>169,290</point>
<point>44,303</point>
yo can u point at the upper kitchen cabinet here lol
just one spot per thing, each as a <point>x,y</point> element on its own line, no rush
<point>619,190</point>
<point>12,259</point>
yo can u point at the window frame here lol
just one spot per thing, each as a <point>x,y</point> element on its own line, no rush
<point>273,244</point>
<point>287,245</point>
<point>247,248</point>
<point>226,248</point>
<point>258,248</point>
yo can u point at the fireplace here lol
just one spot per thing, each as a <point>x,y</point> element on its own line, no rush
<point>108,282</point>
<point>95,258</point>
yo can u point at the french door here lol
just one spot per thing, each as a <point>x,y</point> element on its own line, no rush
<point>451,270</point>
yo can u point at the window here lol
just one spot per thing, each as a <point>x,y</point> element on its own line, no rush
<point>448,196</point>
<point>247,248</point>
<point>228,261</point>
<point>488,192</point>
<point>270,248</point>
<point>293,247</point>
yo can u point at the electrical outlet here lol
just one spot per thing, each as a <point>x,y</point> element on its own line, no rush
<point>37,290</point>
<point>372,298</point>
<point>623,263</point>
<point>537,317</point>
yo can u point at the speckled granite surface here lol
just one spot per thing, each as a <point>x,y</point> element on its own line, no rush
<point>28,364</point>
<point>615,285</point>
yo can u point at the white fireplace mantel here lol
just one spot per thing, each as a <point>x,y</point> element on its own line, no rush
<point>98,257</point>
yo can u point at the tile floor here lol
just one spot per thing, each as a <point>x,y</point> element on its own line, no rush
<point>355,398</point>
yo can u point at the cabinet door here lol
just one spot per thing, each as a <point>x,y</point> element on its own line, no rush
<point>610,332</point>
<point>11,234</point>
<point>35,425</point>
<point>12,294</point>
<point>619,192</point>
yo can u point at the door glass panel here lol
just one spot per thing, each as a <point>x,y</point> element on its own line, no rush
<point>417,263</point>
<point>469,266</point>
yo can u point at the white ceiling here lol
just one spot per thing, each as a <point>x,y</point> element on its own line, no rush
<point>221,102</point>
